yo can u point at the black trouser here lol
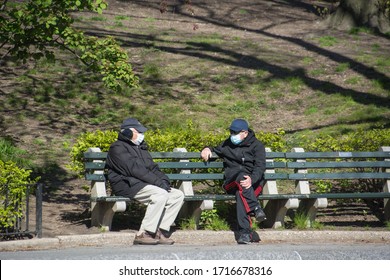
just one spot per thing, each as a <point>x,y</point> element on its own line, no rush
<point>246,202</point>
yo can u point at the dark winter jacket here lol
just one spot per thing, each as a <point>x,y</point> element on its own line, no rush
<point>131,166</point>
<point>247,157</point>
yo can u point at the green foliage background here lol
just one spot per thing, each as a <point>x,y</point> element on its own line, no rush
<point>13,187</point>
<point>194,140</point>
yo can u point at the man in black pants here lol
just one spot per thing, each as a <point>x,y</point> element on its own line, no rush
<point>244,164</point>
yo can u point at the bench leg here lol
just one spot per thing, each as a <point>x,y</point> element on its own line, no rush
<point>386,208</point>
<point>102,213</point>
<point>193,209</point>
<point>309,207</point>
<point>276,211</point>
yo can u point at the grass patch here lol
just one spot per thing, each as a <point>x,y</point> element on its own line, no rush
<point>98,18</point>
<point>342,67</point>
<point>301,221</point>
<point>122,17</point>
<point>188,224</point>
<point>357,30</point>
<point>8,152</point>
<point>212,39</point>
<point>327,41</point>
<point>353,80</point>
<point>311,111</point>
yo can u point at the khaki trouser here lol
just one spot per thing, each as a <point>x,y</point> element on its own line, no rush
<point>162,207</point>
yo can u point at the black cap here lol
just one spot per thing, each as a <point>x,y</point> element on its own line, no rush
<point>133,123</point>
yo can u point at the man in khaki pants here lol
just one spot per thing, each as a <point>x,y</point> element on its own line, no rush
<point>133,173</point>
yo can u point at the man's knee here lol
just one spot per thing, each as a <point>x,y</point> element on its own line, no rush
<point>176,196</point>
<point>159,195</point>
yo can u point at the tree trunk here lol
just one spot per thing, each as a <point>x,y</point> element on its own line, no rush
<point>355,13</point>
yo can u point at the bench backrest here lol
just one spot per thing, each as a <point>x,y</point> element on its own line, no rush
<point>292,165</point>
<point>174,163</point>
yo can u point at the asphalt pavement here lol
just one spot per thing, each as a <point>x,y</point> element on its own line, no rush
<point>200,237</point>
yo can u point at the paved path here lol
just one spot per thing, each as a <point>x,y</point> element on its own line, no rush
<point>211,238</point>
<point>277,251</point>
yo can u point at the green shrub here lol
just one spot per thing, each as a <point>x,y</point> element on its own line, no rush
<point>188,224</point>
<point>362,140</point>
<point>275,141</point>
<point>210,220</point>
<point>99,139</point>
<point>13,186</point>
<point>190,138</point>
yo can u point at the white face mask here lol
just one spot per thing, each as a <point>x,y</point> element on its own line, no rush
<point>140,138</point>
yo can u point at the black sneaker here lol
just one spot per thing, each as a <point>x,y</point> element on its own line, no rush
<point>245,238</point>
<point>259,214</point>
<point>255,237</point>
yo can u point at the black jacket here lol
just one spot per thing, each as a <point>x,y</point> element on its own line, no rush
<point>247,157</point>
<point>133,165</point>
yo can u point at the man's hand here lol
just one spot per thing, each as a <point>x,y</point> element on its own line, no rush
<point>247,182</point>
<point>206,154</point>
<point>165,185</point>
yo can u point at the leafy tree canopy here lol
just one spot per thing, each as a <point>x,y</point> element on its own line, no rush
<point>34,28</point>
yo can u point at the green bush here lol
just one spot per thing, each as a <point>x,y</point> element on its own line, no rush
<point>363,140</point>
<point>99,139</point>
<point>275,141</point>
<point>13,186</point>
<point>190,138</point>
<point>210,220</point>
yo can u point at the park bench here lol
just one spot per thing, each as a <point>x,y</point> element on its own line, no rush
<point>297,167</point>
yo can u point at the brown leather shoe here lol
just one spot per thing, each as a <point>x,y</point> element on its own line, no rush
<point>163,239</point>
<point>145,239</point>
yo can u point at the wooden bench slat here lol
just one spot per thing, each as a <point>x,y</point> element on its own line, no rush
<point>269,155</point>
<point>336,164</point>
<point>190,165</point>
<point>268,176</point>
<point>219,197</point>
<point>95,177</point>
<point>365,195</point>
<point>110,199</point>
<point>94,166</point>
<point>178,155</point>
<point>341,175</point>
<point>220,176</point>
<point>192,176</point>
<point>195,176</point>
<point>184,165</point>
<point>316,155</point>
<point>95,155</point>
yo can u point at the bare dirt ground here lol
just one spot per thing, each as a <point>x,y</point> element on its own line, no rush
<point>66,207</point>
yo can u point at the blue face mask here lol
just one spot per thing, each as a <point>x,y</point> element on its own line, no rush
<point>235,139</point>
